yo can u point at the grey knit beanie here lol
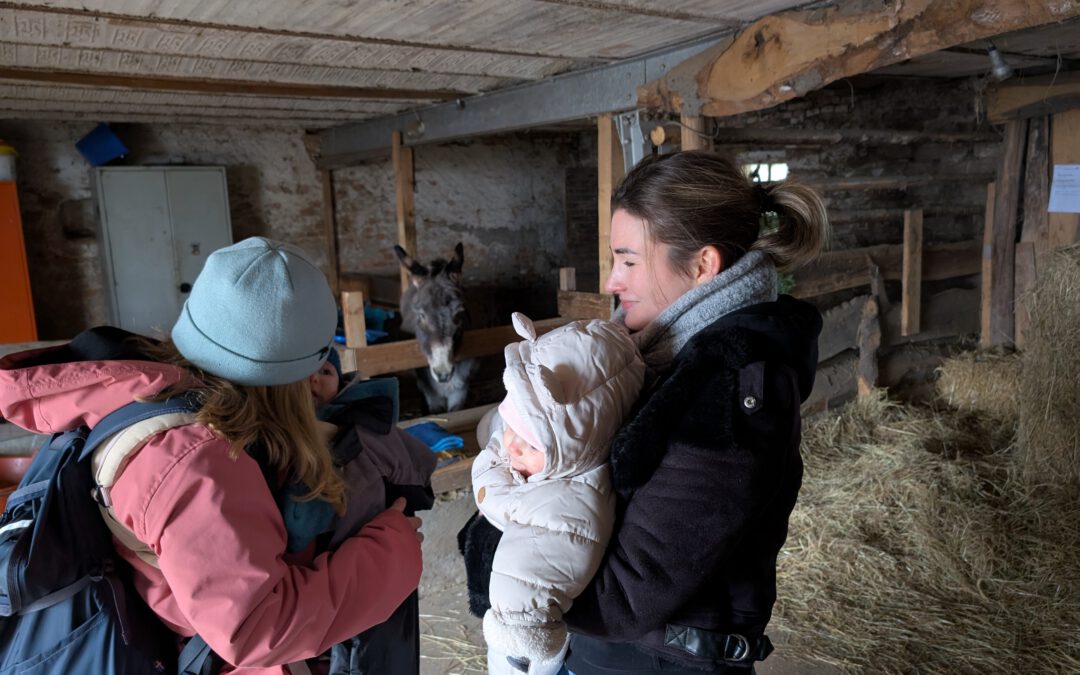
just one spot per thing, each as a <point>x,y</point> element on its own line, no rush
<point>259,313</point>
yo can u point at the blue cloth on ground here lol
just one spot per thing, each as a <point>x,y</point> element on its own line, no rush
<point>435,437</point>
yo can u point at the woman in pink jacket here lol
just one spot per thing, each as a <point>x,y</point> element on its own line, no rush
<point>258,322</point>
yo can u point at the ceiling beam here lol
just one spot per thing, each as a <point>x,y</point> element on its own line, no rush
<point>1033,97</point>
<point>787,55</point>
<point>138,82</point>
<point>572,96</point>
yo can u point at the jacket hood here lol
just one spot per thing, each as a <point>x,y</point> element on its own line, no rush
<point>60,388</point>
<point>573,385</point>
<point>785,330</point>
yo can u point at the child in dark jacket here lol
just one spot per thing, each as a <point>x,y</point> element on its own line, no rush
<point>379,463</point>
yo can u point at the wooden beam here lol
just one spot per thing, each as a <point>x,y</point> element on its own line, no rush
<point>841,270</point>
<point>985,285</point>
<point>693,134</point>
<point>790,136</point>
<point>1003,239</point>
<point>911,276</point>
<point>567,279</point>
<point>158,83</point>
<point>1036,226</point>
<point>403,200</point>
<point>1025,283</point>
<point>1064,149</point>
<point>840,327</point>
<point>393,357</point>
<point>578,305</point>
<point>788,54</point>
<point>1020,98</point>
<point>891,182</point>
<point>330,230</point>
<point>869,340</point>
<point>455,476</point>
<point>609,175</point>
<point>352,311</point>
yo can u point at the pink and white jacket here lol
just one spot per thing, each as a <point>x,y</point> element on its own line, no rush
<point>216,529</point>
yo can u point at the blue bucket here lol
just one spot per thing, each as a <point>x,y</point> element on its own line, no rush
<point>101,146</point>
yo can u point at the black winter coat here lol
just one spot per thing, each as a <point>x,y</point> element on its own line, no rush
<point>707,473</point>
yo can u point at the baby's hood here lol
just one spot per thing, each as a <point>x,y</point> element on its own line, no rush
<point>574,386</point>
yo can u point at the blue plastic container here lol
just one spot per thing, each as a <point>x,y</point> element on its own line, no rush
<point>101,146</point>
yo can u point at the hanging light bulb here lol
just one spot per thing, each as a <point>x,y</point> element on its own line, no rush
<point>1000,69</point>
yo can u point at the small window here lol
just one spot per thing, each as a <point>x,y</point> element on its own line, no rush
<point>766,173</point>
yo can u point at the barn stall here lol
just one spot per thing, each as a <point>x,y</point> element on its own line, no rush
<point>933,131</point>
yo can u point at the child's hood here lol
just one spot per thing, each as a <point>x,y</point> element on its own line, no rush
<point>574,385</point>
<point>50,390</point>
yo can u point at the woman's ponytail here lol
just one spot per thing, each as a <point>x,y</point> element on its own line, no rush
<point>801,227</point>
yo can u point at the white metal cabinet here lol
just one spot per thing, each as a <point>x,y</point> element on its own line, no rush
<point>158,225</point>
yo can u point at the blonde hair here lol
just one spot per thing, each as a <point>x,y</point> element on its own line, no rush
<point>689,200</point>
<point>278,419</point>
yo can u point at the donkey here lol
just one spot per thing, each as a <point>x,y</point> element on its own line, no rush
<point>433,309</point>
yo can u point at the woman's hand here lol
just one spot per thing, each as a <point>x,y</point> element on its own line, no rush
<point>399,506</point>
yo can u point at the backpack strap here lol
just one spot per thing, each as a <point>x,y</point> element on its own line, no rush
<point>114,441</point>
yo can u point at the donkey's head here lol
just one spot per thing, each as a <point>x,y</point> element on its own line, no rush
<point>433,309</point>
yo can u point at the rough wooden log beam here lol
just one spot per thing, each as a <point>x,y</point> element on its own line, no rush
<point>891,182</point>
<point>787,55</point>
<point>1033,97</point>
<point>840,270</point>
<point>785,136</point>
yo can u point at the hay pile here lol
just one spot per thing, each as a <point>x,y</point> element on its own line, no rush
<point>983,383</point>
<point>1050,388</point>
<point>915,548</point>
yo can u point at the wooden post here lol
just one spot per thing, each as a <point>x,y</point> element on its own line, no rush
<point>330,230</point>
<point>610,173</point>
<point>1025,282</point>
<point>912,273</point>
<point>987,264</point>
<point>567,279</point>
<point>693,133</point>
<point>1036,228</point>
<point>403,191</point>
<point>1002,240</point>
<point>1065,149</point>
<point>352,310</point>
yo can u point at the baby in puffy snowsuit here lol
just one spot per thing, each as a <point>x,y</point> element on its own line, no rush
<point>543,479</point>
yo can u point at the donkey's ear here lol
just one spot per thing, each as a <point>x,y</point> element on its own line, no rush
<point>454,266</point>
<point>415,268</point>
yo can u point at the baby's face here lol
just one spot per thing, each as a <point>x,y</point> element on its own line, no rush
<point>324,384</point>
<point>525,459</point>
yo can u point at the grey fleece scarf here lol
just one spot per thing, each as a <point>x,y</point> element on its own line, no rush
<point>749,281</point>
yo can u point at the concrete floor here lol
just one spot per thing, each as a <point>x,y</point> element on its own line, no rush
<point>452,641</point>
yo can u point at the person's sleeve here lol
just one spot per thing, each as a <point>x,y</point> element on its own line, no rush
<point>678,528</point>
<point>219,538</point>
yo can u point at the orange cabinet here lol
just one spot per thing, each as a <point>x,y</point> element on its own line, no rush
<point>16,303</point>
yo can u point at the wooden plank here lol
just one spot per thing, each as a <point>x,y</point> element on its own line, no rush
<point>609,175</point>
<point>567,279</point>
<point>1025,283</point>
<point>869,340</point>
<point>403,200</point>
<point>392,357</point>
<point>950,313</point>
<point>1003,242</point>
<point>1020,98</point>
<point>330,230</point>
<point>352,310</point>
<point>840,327</point>
<point>455,422</point>
<point>787,54</point>
<point>834,383</point>
<point>1065,149</point>
<point>692,133</point>
<point>222,86</point>
<point>579,305</point>
<point>987,265</point>
<point>890,182</point>
<point>841,270</point>
<point>911,276</point>
<point>756,135</point>
<point>456,476</point>
<point>1036,228</point>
